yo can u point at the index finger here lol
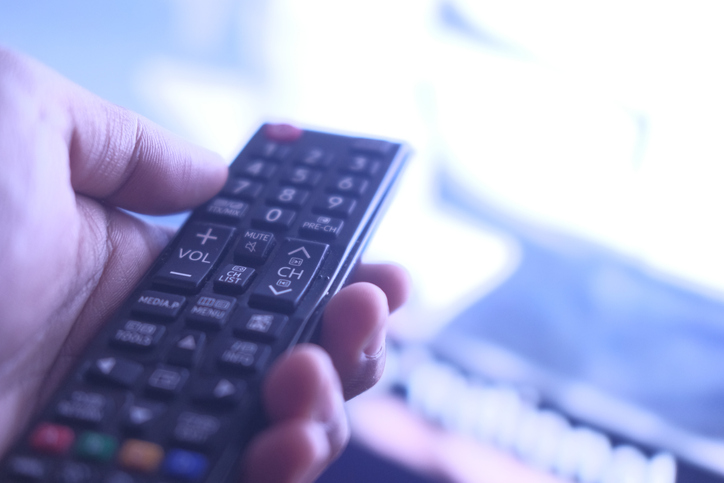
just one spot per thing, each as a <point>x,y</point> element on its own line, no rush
<point>128,161</point>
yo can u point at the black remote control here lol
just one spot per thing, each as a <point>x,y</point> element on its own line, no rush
<point>169,389</point>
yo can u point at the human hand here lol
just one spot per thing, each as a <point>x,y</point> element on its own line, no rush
<point>70,256</point>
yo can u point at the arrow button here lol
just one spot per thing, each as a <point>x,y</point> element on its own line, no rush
<point>289,275</point>
<point>115,371</point>
<point>217,391</point>
<point>279,292</point>
<point>141,415</point>
<point>300,249</point>
<point>187,349</point>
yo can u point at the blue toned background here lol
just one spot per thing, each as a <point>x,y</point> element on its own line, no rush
<point>560,216</point>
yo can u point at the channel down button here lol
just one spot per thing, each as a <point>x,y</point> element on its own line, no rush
<point>289,275</point>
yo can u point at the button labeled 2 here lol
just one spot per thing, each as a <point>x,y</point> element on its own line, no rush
<point>289,275</point>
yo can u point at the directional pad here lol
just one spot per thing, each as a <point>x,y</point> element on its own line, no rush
<point>218,391</point>
<point>115,371</point>
<point>289,275</point>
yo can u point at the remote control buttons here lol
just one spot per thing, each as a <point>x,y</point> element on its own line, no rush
<point>218,392</point>
<point>242,188</point>
<point>260,326</point>
<point>258,169</point>
<point>288,196</point>
<point>185,465</point>
<point>226,210</point>
<point>115,371</point>
<point>141,456</point>
<point>84,407</point>
<point>74,472</point>
<point>372,146</point>
<point>335,205</point>
<point>187,349</point>
<point>195,430</point>
<point>348,185</point>
<point>321,227</point>
<point>95,446</point>
<point>166,381</point>
<point>241,356</point>
<point>233,279</point>
<point>139,336</point>
<point>158,304</point>
<point>289,275</point>
<point>302,176</point>
<point>273,218</point>
<point>27,468</point>
<point>210,312</point>
<point>360,164</point>
<point>140,416</point>
<point>314,157</point>
<point>194,256</point>
<point>272,150</point>
<point>52,438</point>
<point>254,247</point>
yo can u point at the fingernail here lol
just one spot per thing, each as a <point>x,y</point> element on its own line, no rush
<point>376,344</point>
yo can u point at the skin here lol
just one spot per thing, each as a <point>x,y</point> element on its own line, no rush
<point>69,256</point>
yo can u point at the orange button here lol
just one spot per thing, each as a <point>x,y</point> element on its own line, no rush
<point>140,456</point>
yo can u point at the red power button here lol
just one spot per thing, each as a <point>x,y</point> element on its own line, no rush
<point>282,133</point>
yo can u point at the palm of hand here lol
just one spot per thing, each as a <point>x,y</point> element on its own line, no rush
<point>68,259</point>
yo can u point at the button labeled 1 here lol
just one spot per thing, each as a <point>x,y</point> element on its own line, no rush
<point>289,275</point>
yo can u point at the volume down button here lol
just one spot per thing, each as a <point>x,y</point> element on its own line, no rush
<point>194,256</point>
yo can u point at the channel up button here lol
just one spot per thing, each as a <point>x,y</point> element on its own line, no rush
<point>289,275</point>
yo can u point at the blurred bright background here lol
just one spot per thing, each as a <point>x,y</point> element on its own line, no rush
<point>560,217</point>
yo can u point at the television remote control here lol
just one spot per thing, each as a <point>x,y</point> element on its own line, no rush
<point>169,389</point>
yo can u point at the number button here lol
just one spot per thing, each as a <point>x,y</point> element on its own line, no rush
<point>273,150</point>
<point>314,157</point>
<point>242,188</point>
<point>302,176</point>
<point>289,196</point>
<point>360,164</point>
<point>273,218</point>
<point>335,205</point>
<point>257,168</point>
<point>349,185</point>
